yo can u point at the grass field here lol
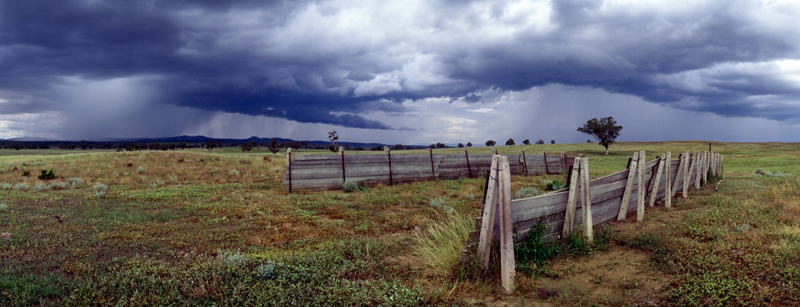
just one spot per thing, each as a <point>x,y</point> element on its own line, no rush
<point>198,228</point>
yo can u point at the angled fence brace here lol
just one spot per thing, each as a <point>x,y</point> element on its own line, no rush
<point>626,196</point>
<point>667,185</point>
<point>660,167</point>
<point>488,216</point>
<point>641,188</point>
<point>569,214</point>
<point>699,169</point>
<point>688,166</point>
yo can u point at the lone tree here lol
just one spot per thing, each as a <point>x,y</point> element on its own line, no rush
<point>490,143</point>
<point>604,130</point>
<point>469,144</point>
<point>333,136</point>
<point>274,146</point>
<point>526,142</point>
<point>510,142</point>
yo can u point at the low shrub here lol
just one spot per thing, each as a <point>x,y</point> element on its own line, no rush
<point>21,187</point>
<point>350,186</point>
<point>47,175</point>
<point>554,185</point>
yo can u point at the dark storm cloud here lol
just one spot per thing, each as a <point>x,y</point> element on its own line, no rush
<point>331,62</point>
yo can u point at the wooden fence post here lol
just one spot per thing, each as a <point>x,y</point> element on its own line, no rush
<point>507,263</point>
<point>667,185</point>
<point>569,214</point>
<point>626,196</point>
<point>289,166</point>
<point>705,166</point>
<point>433,172</point>
<point>524,162</point>
<point>586,200</point>
<point>687,173</point>
<point>660,167</point>
<point>641,188</point>
<point>546,167</point>
<point>389,155</point>
<point>341,153</point>
<point>721,166</point>
<point>488,216</point>
<point>469,169</point>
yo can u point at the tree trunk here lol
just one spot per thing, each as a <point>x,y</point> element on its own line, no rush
<point>606,150</point>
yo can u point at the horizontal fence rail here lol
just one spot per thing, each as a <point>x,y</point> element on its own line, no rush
<point>329,172</point>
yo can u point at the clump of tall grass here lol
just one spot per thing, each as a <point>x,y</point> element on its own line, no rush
<point>440,246</point>
<point>526,192</point>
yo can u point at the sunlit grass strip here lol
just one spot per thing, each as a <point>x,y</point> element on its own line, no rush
<point>441,245</point>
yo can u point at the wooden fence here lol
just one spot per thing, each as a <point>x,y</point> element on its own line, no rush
<point>613,197</point>
<point>331,171</point>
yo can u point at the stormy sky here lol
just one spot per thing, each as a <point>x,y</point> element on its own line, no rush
<point>411,72</point>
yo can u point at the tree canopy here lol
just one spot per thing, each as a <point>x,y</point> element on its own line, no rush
<point>604,130</point>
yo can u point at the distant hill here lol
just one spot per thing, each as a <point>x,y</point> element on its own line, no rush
<point>191,139</point>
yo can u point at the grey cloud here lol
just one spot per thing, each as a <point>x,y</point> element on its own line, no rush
<point>306,60</point>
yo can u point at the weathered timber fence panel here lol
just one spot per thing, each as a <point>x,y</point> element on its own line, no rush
<point>606,198</point>
<point>328,172</point>
<point>584,204</point>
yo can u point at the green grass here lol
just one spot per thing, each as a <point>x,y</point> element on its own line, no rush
<point>440,246</point>
<point>155,239</point>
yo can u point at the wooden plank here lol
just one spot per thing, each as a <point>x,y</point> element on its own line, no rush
<point>623,210</point>
<point>535,207</point>
<point>507,272</point>
<point>642,188</point>
<point>569,213</point>
<point>488,217</point>
<point>587,199</point>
